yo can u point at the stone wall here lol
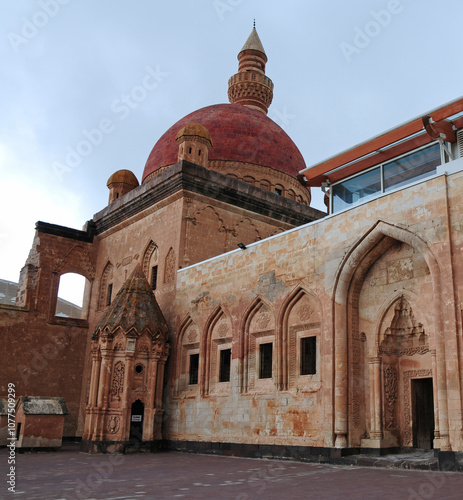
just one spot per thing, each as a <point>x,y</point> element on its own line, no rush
<point>338,279</point>
<point>44,354</point>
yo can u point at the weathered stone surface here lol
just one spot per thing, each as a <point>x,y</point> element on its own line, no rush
<point>41,405</point>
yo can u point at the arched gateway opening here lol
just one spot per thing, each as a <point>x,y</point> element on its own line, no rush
<point>388,358</point>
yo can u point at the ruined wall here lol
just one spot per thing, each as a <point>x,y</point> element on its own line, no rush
<point>43,354</point>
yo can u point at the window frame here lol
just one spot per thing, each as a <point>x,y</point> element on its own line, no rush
<point>381,166</point>
<point>109,294</point>
<point>154,276</point>
<point>311,359</point>
<point>265,364</point>
<point>227,378</point>
<point>192,355</point>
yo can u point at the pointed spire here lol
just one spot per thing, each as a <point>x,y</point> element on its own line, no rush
<point>135,309</point>
<point>250,86</point>
<point>253,42</point>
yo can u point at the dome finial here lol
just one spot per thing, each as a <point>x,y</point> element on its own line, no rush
<point>254,25</point>
<point>250,86</point>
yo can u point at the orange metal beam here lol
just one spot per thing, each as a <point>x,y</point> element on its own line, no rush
<point>318,172</point>
<point>371,161</point>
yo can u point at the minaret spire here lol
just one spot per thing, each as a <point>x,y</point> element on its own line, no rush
<point>250,86</point>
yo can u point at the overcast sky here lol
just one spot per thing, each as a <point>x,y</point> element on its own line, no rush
<point>88,87</point>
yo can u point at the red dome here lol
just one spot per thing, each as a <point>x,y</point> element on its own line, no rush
<point>239,134</point>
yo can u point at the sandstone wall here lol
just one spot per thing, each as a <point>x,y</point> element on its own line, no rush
<point>338,279</point>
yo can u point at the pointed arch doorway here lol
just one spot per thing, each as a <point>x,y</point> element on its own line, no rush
<point>407,389</point>
<point>385,264</point>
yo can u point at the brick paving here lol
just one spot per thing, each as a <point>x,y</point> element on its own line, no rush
<point>71,475</point>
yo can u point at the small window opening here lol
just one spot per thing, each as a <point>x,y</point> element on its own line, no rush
<point>199,152</point>
<point>194,368</point>
<point>225,364</point>
<point>18,431</point>
<point>189,151</point>
<point>266,351</point>
<point>139,369</point>
<point>309,356</point>
<point>154,277</point>
<point>71,295</point>
<point>109,294</point>
<point>117,195</point>
<point>278,191</point>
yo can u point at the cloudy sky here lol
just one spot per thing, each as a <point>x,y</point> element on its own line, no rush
<point>88,87</point>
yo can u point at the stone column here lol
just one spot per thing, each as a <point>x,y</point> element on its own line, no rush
<point>103,391</point>
<point>150,402</point>
<point>441,395</point>
<point>340,377</point>
<point>92,401</point>
<point>435,396</point>
<point>158,402</point>
<point>375,398</point>
<point>94,379</point>
<point>126,405</point>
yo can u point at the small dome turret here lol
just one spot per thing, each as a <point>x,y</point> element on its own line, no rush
<point>194,141</point>
<point>120,183</point>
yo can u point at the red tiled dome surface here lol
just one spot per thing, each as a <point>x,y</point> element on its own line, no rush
<point>239,134</point>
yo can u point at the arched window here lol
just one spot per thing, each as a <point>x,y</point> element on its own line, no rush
<point>71,296</point>
<point>217,366</point>
<point>265,184</point>
<point>150,264</point>
<point>259,349</point>
<point>187,355</point>
<point>301,335</point>
<point>106,287</point>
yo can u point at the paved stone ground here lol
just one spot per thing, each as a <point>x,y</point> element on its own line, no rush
<point>72,475</point>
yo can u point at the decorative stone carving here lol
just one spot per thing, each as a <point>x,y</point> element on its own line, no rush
<point>127,260</point>
<point>390,392</point>
<point>119,347</point>
<point>407,351</point>
<point>117,385</point>
<point>405,336</point>
<point>192,335</point>
<point>114,424</point>
<point>263,320</point>
<point>223,330</point>
<point>151,255</point>
<point>144,348</point>
<point>169,273</point>
<point>304,312</point>
<point>77,257</point>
